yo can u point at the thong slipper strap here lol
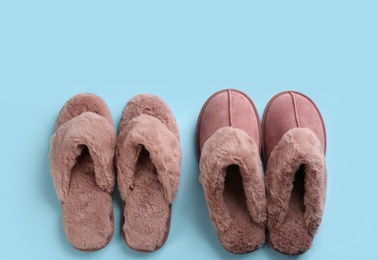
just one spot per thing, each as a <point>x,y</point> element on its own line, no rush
<point>148,132</point>
<point>85,130</point>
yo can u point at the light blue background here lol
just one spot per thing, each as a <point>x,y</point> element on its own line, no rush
<point>184,52</point>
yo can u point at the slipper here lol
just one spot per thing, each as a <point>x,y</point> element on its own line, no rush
<point>148,160</point>
<point>294,145</point>
<point>82,168</point>
<point>228,143</point>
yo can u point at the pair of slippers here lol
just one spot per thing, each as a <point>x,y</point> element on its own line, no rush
<point>286,207</point>
<point>87,158</point>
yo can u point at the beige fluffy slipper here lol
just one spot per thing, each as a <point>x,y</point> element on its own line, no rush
<point>82,168</point>
<point>148,160</point>
<point>294,143</point>
<point>228,142</point>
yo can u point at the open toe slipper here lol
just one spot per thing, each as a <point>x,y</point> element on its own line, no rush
<point>228,142</point>
<point>148,160</point>
<point>82,167</point>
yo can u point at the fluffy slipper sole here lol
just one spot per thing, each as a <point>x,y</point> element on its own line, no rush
<point>82,167</point>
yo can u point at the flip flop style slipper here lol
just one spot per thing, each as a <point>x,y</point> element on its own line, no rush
<point>148,160</point>
<point>228,142</point>
<point>294,144</point>
<point>82,167</point>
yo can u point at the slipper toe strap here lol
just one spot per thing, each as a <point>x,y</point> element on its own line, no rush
<point>149,133</point>
<point>67,143</point>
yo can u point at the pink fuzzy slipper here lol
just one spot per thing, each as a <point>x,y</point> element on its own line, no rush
<point>148,159</point>
<point>82,168</point>
<point>228,142</point>
<point>294,143</point>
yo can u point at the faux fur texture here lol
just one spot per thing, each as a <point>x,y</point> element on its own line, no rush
<point>294,214</point>
<point>148,159</point>
<point>87,209</point>
<point>82,167</point>
<point>146,104</point>
<point>85,130</point>
<point>85,102</point>
<point>149,133</point>
<point>240,229</point>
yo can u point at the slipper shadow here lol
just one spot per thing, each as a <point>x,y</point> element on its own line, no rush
<point>46,182</point>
